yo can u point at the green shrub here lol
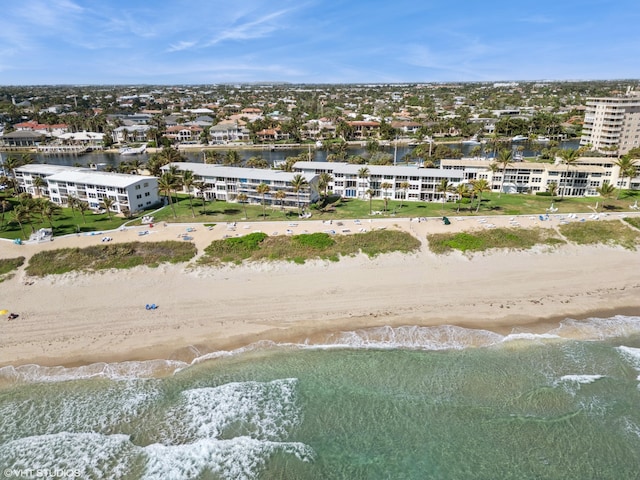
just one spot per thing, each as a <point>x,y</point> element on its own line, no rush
<point>318,241</point>
<point>105,256</point>
<point>518,238</point>
<point>633,221</point>
<point>601,232</point>
<point>10,264</point>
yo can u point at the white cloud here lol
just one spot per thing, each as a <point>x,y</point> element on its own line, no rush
<point>183,45</point>
<point>258,28</point>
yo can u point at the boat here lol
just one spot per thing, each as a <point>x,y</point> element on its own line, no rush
<point>542,139</point>
<point>520,138</point>
<point>133,150</point>
<point>472,141</point>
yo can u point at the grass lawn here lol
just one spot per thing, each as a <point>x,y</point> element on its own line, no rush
<point>341,209</point>
<point>334,208</point>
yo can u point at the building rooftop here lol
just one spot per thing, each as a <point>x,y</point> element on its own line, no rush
<point>214,170</point>
<point>398,170</point>
<point>92,177</point>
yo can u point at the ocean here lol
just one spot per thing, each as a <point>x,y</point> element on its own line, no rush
<point>386,403</point>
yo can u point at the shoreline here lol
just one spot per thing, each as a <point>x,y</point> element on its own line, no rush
<point>78,319</point>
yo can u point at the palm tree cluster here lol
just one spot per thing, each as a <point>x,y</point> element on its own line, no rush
<point>31,211</point>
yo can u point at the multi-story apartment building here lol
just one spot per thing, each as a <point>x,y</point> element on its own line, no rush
<point>582,179</point>
<point>612,124</point>
<point>422,184</point>
<point>128,192</point>
<point>226,183</point>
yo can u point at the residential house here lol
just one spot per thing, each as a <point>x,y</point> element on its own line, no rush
<point>184,133</point>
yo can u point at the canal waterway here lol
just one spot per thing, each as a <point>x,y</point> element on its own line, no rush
<point>273,156</point>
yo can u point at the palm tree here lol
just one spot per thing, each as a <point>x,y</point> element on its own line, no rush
<point>324,181</point>
<point>298,182</point>
<point>200,186</point>
<point>627,166</point>
<point>167,183</point>
<point>4,205</point>
<point>21,215</point>
<point>363,173</point>
<point>83,207</point>
<point>242,198</point>
<point>232,158</point>
<point>552,188</point>
<point>39,183</point>
<point>479,187</point>
<point>10,164</point>
<point>213,156</point>
<point>72,203</point>
<point>476,151</point>
<point>158,160</point>
<point>50,210</point>
<point>187,180</point>
<point>569,158</point>
<point>505,158</point>
<point>606,190</point>
<point>108,202</point>
<point>444,187</point>
<point>385,186</point>
<point>280,195</point>
<point>263,189</point>
<point>405,187</point>
<point>370,192</point>
<point>135,165</point>
<point>461,190</point>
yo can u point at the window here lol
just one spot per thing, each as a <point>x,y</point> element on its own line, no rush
<point>138,187</point>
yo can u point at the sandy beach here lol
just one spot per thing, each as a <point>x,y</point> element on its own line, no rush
<point>75,319</point>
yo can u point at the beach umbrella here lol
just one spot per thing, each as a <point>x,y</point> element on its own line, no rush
<point>4,312</point>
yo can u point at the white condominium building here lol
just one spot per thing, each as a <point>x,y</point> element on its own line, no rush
<point>612,124</point>
<point>128,192</point>
<point>385,181</point>
<point>226,183</point>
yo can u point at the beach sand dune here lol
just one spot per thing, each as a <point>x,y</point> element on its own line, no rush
<point>79,318</point>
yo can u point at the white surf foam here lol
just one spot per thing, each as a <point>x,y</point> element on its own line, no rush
<point>69,455</point>
<point>445,337</point>
<point>448,337</point>
<point>595,329</point>
<point>76,410</point>
<point>260,410</point>
<point>584,379</point>
<point>236,459</point>
<point>113,371</point>
<point>632,355</point>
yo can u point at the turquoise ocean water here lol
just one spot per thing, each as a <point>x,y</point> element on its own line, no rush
<point>402,403</point>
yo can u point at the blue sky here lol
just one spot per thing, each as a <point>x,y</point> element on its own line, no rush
<point>315,41</point>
